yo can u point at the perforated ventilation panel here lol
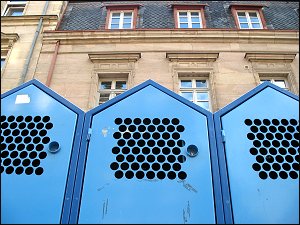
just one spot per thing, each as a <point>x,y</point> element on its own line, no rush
<point>138,166</point>
<point>261,147</point>
<point>148,148</point>
<point>275,147</point>
<point>23,141</point>
<point>37,144</point>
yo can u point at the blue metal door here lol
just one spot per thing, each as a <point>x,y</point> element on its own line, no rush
<point>147,161</point>
<point>260,150</point>
<point>37,139</point>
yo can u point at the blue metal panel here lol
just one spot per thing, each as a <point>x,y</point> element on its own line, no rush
<point>119,153</point>
<point>37,184</point>
<point>259,156</point>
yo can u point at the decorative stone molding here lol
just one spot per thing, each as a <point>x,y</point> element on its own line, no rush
<point>7,41</point>
<point>260,57</point>
<point>114,57</point>
<point>28,20</point>
<point>172,36</point>
<point>192,57</point>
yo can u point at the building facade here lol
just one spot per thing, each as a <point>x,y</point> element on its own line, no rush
<point>210,52</point>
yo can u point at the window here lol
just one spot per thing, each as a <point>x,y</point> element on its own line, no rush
<point>111,88</point>
<point>248,16</point>
<point>121,20</point>
<point>280,82</point>
<point>189,16</point>
<point>196,90</point>
<point>249,20</point>
<point>189,19</point>
<point>2,62</point>
<point>14,8</point>
<point>121,16</point>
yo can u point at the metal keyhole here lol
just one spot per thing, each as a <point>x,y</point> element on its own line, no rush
<point>54,147</point>
<point>192,150</point>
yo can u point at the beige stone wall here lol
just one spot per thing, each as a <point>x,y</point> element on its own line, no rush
<point>25,27</point>
<point>231,75</point>
<point>75,75</point>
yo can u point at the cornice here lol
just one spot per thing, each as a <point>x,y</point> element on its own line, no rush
<point>270,56</point>
<point>27,20</point>
<point>7,41</point>
<point>116,56</point>
<point>172,36</point>
<point>179,56</point>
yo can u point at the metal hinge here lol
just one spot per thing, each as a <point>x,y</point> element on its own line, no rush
<point>89,134</point>
<point>223,135</point>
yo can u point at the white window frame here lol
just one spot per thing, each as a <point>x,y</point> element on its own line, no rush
<point>196,90</point>
<point>113,92</point>
<point>10,5</point>
<point>248,18</point>
<point>273,79</point>
<point>189,17</point>
<point>121,18</point>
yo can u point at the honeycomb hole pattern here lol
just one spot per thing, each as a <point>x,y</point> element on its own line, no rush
<point>148,149</point>
<point>23,140</point>
<point>275,147</point>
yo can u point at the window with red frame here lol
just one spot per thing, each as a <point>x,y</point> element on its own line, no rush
<point>248,16</point>
<point>189,16</point>
<point>121,17</point>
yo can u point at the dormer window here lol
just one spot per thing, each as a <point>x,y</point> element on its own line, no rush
<point>189,16</point>
<point>121,16</point>
<point>14,8</point>
<point>248,16</point>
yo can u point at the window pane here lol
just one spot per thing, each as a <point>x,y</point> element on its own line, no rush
<point>195,20</point>
<point>244,25</point>
<point>2,62</point>
<point>195,14</point>
<point>252,14</point>
<point>241,14</point>
<point>204,105</point>
<point>202,96</point>
<point>121,85</point>
<point>126,25</point>
<point>254,20</point>
<point>128,14</point>
<point>243,19</point>
<point>104,97</point>
<point>186,84</point>
<point>184,25</point>
<point>115,26</point>
<point>256,25</point>
<point>183,19</point>
<point>187,95</point>
<point>182,13</point>
<point>105,85</point>
<point>195,25</point>
<point>115,20</point>
<point>15,12</point>
<point>116,15</point>
<point>127,20</point>
<point>280,83</point>
<point>201,83</point>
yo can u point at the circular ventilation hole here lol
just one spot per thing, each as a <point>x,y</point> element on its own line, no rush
<point>161,175</point>
<point>140,174</point>
<point>182,175</point>
<point>19,170</point>
<point>273,175</point>
<point>124,166</point>
<point>39,171</point>
<point>117,135</point>
<point>283,174</point>
<point>156,121</point>
<point>119,174</point>
<point>276,166</point>
<point>171,175</point>
<point>256,167</point>
<point>126,135</point>
<point>10,118</point>
<point>263,129</point>
<point>9,170</point>
<point>118,121</point>
<point>166,136</point>
<point>132,128</point>
<point>29,170</point>
<point>135,166</point>
<point>263,175</point>
<point>135,150</point>
<point>155,166</point>
<point>125,150</point>
<point>145,166</point>
<point>129,174</point>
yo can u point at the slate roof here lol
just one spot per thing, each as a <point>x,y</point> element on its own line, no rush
<point>91,15</point>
